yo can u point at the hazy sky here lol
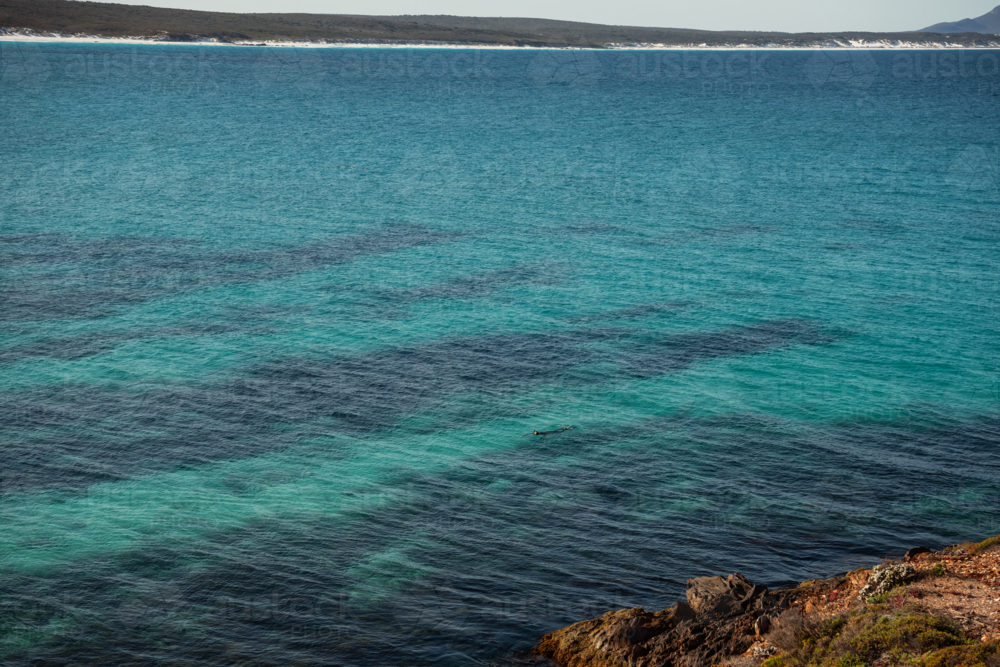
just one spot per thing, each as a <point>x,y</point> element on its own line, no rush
<point>783,15</point>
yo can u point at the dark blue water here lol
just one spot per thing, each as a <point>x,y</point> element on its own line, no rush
<point>274,324</point>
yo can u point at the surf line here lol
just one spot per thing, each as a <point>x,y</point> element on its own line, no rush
<point>558,430</point>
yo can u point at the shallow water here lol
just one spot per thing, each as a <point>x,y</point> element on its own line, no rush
<point>274,324</point>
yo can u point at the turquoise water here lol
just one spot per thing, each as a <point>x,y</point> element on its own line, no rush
<point>274,324</point>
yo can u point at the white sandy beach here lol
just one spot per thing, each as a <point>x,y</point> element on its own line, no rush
<point>19,35</point>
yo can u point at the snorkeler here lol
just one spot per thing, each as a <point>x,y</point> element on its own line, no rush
<point>558,430</point>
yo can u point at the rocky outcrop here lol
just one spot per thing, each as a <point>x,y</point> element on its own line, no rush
<point>723,616</point>
<point>884,578</point>
<point>730,622</point>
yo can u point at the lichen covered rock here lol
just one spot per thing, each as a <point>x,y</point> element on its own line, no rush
<point>884,578</point>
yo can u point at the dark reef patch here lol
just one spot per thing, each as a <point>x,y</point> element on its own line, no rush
<point>497,565</point>
<point>68,436</point>
<point>68,348</point>
<point>664,354</point>
<point>47,277</point>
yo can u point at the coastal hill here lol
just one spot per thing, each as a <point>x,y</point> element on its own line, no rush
<point>113,20</point>
<point>988,23</point>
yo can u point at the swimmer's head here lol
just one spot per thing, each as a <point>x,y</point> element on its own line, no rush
<point>534,433</point>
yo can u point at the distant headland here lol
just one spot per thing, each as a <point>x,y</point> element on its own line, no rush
<point>988,23</point>
<point>63,19</point>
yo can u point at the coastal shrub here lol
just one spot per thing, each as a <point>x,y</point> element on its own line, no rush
<point>974,655</point>
<point>830,627</point>
<point>818,637</point>
<point>905,634</point>
<point>849,660</point>
<point>818,649</point>
<point>939,569</point>
<point>814,653</point>
<point>776,661</point>
<point>858,639</point>
<point>985,544</point>
<point>789,630</point>
<point>882,598</point>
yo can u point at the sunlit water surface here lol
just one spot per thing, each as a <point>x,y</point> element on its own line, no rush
<point>275,323</point>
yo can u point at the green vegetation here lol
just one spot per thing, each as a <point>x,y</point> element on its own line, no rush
<point>124,20</point>
<point>985,544</point>
<point>896,595</point>
<point>909,637</point>
<point>113,20</point>
<point>975,655</point>
<point>891,630</point>
<point>902,635</point>
<point>831,627</point>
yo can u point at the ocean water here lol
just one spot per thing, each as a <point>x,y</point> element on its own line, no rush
<point>274,325</point>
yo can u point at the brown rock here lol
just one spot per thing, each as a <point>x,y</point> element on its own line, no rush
<point>821,584</point>
<point>717,594</point>
<point>683,612</point>
<point>626,632</point>
<point>858,578</point>
<point>716,622</point>
<point>616,638</point>
<point>704,592</point>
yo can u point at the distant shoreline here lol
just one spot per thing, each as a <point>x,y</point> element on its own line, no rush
<point>103,22</point>
<point>28,35</point>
